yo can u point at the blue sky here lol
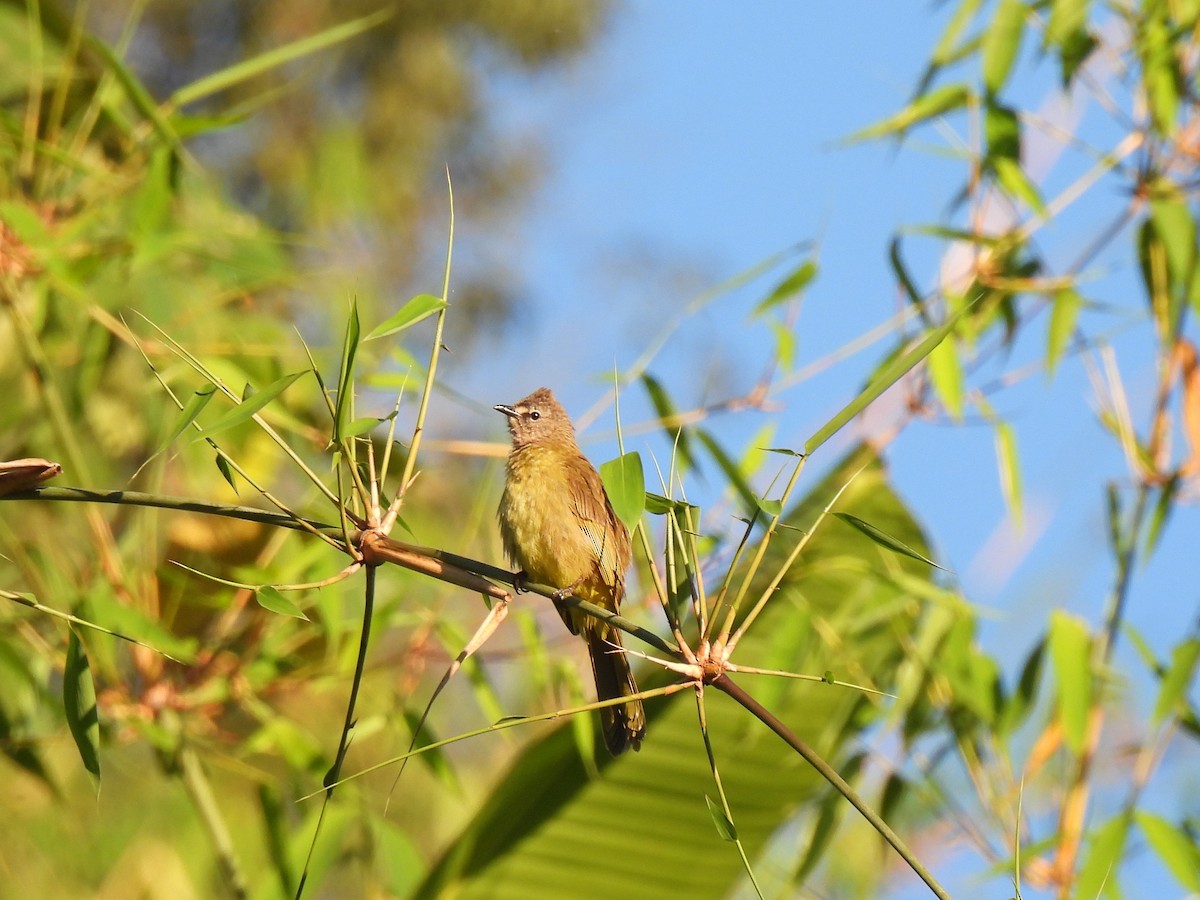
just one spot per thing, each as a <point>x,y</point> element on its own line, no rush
<point>698,140</point>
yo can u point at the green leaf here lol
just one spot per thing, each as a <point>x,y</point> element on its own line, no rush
<point>79,704</point>
<point>725,828</point>
<point>625,483</point>
<point>1160,74</point>
<point>1073,53</point>
<point>1162,510</point>
<point>418,308</point>
<point>928,106</point>
<point>1172,694</point>
<point>737,480</point>
<point>1009,467</point>
<point>245,410</point>
<point>1024,698</point>
<point>1103,856</point>
<point>1017,185</point>
<point>226,471</point>
<point>1002,42</point>
<point>1174,846</point>
<point>901,271</point>
<point>883,539</point>
<point>658,505</point>
<point>188,414</point>
<point>791,286</point>
<point>1002,129</point>
<point>947,44</point>
<point>274,59</point>
<point>946,373</point>
<point>1063,316</point>
<point>1067,17</point>
<point>271,599</point>
<point>344,408</point>
<point>664,408</point>
<point>1174,224</point>
<point>883,379</point>
<point>1070,651</point>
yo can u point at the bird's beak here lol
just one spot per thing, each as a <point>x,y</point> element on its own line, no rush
<point>508,411</point>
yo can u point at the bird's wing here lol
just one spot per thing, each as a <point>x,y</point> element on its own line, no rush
<point>604,531</point>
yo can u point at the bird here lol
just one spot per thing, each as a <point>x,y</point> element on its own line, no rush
<point>559,528</point>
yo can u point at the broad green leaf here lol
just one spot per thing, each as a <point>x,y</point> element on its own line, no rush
<point>1063,315</point>
<point>725,828</point>
<point>1070,651</point>
<point>883,379</point>
<point>245,410</point>
<point>271,599</point>
<point>1172,693</point>
<point>1066,18</point>
<point>625,483</point>
<point>1009,467</point>
<point>1174,846</point>
<point>883,539</point>
<point>1002,42</point>
<point>1102,860</point>
<point>79,704</point>
<point>415,310</point>
<point>936,103</point>
<point>946,373</point>
<point>513,844</point>
<point>791,286</point>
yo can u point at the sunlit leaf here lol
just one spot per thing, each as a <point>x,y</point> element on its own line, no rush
<point>245,410</point>
<point>790,287</point>
<point>1002,42</point>
<point>1174,846</point>
<point>1066,18</point>
<point>887,375</point>
<point>1105,847</point>
<point>946,374</point>
<point>1172,693</point>
<point>1070,651</point>
<point>1010,469</point>
<point>884,539</point>
<point>344,408</point>
<point>415,310</point>
<point>938,102</point>
<point>625,483</point>
<point>1063,315</point>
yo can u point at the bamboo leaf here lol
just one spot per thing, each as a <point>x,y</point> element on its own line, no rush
<point>79,704</point>
<point>791,286</point>
<point>1063,316</point>
<point>419,307</point>
<point>1070,652</point>
<point>271,599</point>
<point>1002,42</point>
<point>1172,693</point>
<point>1174,847</point>
<point>188,415</point>
<point>254,402</point>
<point>928,106</point>
<point>344,408</point>
<point>274,59</point>
<point>1009,467</point>
<point>884,539</point>
<point>946,373</point>
<point>725,828</point>
<point>1067,17</point>
<point>888,375</point>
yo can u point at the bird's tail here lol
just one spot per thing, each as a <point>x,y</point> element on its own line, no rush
<point>624,724</point>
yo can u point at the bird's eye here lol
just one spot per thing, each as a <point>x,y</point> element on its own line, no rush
<point>535,415</point>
